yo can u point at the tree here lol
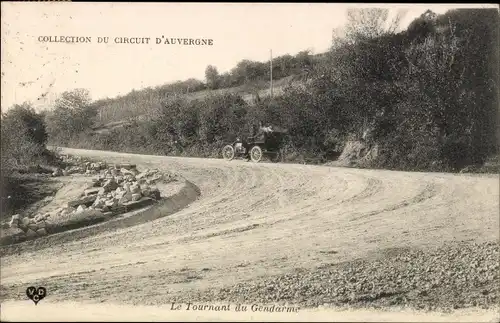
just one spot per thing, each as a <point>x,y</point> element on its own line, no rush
<point>422,26</point>
<point>73,113</point>
<point>303,59</point>
<point>30,122</point>
<point>23,136</point>
<point>367,23</point>
<point>212,77</point>
<point>75,99</point>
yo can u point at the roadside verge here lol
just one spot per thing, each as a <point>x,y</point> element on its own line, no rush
<point>171,203</point>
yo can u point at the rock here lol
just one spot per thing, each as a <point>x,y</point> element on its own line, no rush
<point>130,178</point>
<point>134,189</point>
<point>49,225</point>
<point>126,172</point>
<point>108,214</point>
<point>111,203</point>
<point>96,166</point>
<point>120,194</point>
<point>14,221</point>
<point>26,221</point>
<point>156,178</point>
<point>127,166</point>
<point>125,197</point>
<point>65,173</point>
<point>88,200</point>
<point>136,197</point>
<point>57,172</point>
<point>33,226</point>
<point>99,202</point>
<point>74,170</point>
<point>101,191</point>
<point>38,217</point>
<point>126,187</point>
<point>92,191</point>
<point>41,232</point>
<point>110,185</point>
<point>21,226</point>
<point>81,208</point>
<point>41,224</point>
<point>141,175</point>
<point>12,235</point>
<point>30,233</point>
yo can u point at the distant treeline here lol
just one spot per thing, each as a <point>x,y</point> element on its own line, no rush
<point>427,97</point>
<point>250,75</point>
<point>248,71</point>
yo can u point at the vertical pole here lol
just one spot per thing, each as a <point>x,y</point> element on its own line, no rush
<point>271,67</point>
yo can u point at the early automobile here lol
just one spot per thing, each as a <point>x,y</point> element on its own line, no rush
<point>267,142</point>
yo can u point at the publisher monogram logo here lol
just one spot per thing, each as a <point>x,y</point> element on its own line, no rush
<point>36,294</point>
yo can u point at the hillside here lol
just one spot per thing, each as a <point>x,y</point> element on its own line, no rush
<point>110,119</point>
<point>247,79</point>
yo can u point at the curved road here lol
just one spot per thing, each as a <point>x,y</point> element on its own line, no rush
<point>255,219</point>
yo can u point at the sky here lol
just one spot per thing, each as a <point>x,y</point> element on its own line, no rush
<point>37,72</point>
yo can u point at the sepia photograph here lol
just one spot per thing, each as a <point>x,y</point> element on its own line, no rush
<point>257,162</point>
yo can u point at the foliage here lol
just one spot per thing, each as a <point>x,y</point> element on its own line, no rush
<point>212,77</point>
<point>23,137</point>
<point>73,113</point>
<point>426,96</point>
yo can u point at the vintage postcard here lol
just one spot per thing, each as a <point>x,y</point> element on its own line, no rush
<point>249,162</point>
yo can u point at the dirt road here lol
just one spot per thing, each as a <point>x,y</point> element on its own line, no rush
<point>254,220</point>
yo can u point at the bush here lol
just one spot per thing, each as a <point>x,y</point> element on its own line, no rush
<point>23,138</point>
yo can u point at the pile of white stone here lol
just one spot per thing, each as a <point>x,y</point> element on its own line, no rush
<point>116,187</point>
<point>77,165</point>
<point>28,227</point>
<point>115,190</point>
